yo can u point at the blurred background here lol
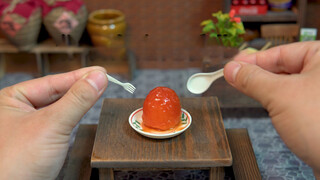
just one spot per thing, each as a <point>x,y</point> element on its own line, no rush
<point>127,36</point>
<point>159,43</point>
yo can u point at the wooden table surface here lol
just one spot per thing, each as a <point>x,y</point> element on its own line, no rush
<point>244,165</point>
<point>204,144</point>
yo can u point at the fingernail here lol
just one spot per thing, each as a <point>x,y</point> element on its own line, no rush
<point>233,67</point>
<point>97,79</point>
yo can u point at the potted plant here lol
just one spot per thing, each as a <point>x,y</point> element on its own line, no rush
<point>224,35</point>
<point>227,29</point>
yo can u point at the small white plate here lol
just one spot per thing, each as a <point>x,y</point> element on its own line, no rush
<point>135,121</point>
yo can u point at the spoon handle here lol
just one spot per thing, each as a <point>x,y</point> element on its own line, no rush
<point>219,73</point>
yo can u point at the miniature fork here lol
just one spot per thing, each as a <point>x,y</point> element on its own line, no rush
<point>127,86</point>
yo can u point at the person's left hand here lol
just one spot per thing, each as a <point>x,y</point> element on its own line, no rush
<point>37,118</point>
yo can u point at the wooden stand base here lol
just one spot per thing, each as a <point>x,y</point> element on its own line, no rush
<point>244,162</point>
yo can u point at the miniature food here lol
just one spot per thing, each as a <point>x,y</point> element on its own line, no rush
<point>161,109</point>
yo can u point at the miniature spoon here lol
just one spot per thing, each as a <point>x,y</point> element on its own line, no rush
<point>200,82</point>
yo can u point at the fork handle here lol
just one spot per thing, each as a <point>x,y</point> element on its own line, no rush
<point>112,79</point>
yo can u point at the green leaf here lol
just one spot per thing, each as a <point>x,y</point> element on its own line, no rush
<point>206,29</point>
<point>219,13</point>
<point>209,27</point>
<point>225,17</point>
<point>212,35</point>
<point>205,22</point>
<point>212,25</point>
<point>224,26</point>
<point>240,31</point>
<point>221,17</point>
<point>232,32</point>
<point>239,27</point>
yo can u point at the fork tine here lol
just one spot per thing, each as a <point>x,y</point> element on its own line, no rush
<point>127,86</point>
<point>131,88</point>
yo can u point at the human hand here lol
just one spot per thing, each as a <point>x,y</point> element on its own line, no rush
<point>285,80</point>
<point>37,118</point>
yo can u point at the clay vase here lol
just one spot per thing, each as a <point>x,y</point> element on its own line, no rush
<point>21,32</point>
<point>107,28</point>
<point>71,31</point>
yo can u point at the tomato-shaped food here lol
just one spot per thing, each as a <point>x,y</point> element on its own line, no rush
<point>161,109</point>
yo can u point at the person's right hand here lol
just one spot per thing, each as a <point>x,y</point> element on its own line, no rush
<point>286,81</point>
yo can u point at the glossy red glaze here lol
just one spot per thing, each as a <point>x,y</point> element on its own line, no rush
<point>161,109</point>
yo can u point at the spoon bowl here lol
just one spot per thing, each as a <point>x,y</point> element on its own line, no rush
<point>200,82</point>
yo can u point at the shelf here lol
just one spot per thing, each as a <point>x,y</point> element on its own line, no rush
<point>296,14</point>
<point>286,16</point>
<point>41,52</point>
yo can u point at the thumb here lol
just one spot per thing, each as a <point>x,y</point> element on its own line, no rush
<point>252,80</point>
<point>78,100</point>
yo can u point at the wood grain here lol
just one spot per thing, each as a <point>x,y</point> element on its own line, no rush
<point>79,161</point>
<point>243,168</point>
<point>216,173</point>
<point>106,174</point>
<point>204,144</point>
<point>244,161</point>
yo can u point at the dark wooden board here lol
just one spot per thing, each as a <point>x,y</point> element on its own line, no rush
<point>244,161</point>
<point>79,161</point>
<point>204,144</point>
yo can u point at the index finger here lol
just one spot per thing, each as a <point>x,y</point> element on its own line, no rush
<point>289,58</point>
<point>46,90</point>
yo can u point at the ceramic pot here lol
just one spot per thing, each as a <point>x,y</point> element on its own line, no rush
<point>66,27</point>
<point>107,28</point>
<point>21,31</point>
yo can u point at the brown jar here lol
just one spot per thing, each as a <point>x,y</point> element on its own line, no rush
<point>106,28</point>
